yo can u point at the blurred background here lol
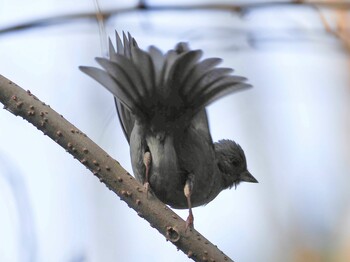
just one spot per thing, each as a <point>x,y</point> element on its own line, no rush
<point>293,125</point>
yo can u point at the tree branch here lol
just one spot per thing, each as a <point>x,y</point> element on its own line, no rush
<point>116,178</point>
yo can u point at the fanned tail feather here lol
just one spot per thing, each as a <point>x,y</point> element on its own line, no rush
<point>168,87</point>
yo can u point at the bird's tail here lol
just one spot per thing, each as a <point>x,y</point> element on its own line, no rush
<point>159,87</point>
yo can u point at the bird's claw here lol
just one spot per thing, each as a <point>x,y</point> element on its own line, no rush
<point>146,186</point>
<point>189,222</point>
<point>147,159</point>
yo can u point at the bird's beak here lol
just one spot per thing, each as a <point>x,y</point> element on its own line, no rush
<point>247,177</point>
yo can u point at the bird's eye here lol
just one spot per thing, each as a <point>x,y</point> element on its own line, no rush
<point>235,162</point>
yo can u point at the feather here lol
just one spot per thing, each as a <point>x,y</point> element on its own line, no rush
<point>123,80</point>
<point>197,72</point>
<point>207,80</point>
<point>170,58</point>
<point>145,66</point>
<point>120,47</point>
<point>219,88</point>
<point>108,82</point>
<point>164,88</point>
<point>127,69</point>
<point>126,119</point>
<point>180,67</point>
<point>158,62</point>
<point>127,52</point>
<point>112,52</point>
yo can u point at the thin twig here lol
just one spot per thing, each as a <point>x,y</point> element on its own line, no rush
<point>108,170</point>
<point>339,31</point>
<point>101,28</point>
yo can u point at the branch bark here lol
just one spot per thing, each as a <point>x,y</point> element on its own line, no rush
<point>116,178</point>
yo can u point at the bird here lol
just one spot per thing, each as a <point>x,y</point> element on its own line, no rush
<point>161,103</point>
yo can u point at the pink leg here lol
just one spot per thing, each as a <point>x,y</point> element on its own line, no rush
<point>188,192</point>
<point>147,159</point>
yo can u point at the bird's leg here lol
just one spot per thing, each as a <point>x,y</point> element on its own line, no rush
<point>147,158</point>
<point>188,192</point>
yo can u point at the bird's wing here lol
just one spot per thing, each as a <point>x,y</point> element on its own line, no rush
<point>126,118</point>
<point>200,123</point>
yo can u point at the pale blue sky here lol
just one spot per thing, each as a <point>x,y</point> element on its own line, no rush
<point>293,125</point>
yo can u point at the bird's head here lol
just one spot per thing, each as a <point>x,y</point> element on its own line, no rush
<point>232,163</point>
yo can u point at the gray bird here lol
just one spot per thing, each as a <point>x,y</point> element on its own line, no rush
<point>161,100</point>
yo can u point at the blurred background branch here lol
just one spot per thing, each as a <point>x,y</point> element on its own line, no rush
<point>143,6</point>
<point>341,30</point>
<point>338,9</point>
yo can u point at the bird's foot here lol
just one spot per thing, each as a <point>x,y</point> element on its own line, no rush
<point>147,159</point>
<point>147,187</point>
<point>187,193</point>
<point>189,221</point>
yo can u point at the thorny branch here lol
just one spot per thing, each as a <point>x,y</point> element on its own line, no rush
<point>116,178</point>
